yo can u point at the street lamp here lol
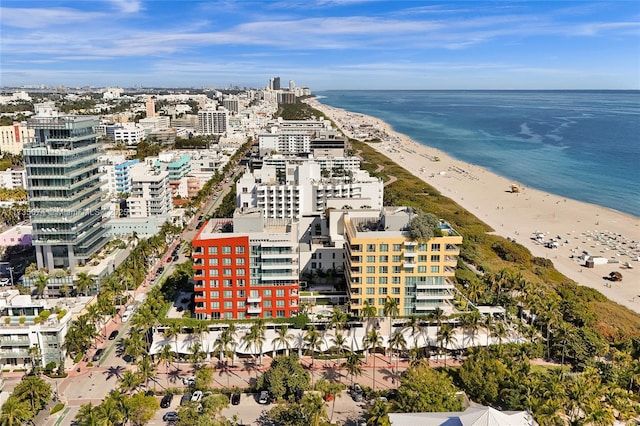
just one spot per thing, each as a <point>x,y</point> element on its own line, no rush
<point>11,274</point>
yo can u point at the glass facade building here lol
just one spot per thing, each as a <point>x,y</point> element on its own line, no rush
<point>63,184</point>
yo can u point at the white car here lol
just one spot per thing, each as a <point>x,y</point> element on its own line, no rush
<point>126,316</point>
<point>4,281</point>
<point>197,396</point>
<point>189,381</point>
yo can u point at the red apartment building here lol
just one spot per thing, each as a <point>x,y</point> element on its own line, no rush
<point>244,275</point>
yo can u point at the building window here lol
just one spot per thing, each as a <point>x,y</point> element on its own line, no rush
<point>226,249</point>
<point>227,283</point>
<point>228,294</point>
<point>213,250</point>
<point>213,272</point>
<point>395,290</point>
<point>214,294</point>
<point>395,280</point>
<point>371,301</point>
<point>371,259</point>
<point>279,303</point>
<point>228,315</point>
<point>435,258</point>
<point>226,272</point>
<point>435,247</point>
<point>240,272</point>
<point>280,314</point>
<point>397,247</point>
<point>381,301</point>
<point>280,293</point>
<point>240,293</point>
<point>383,269</point>
<point>266,303</point>
<point>371,290</point>
<point>384,259</point>
<point>215,305</point>
<point>435,269</point>
<point>383,280</point>
<point>382,291</point>
<point>214,283</point>
<point>422,269</point>
<point>371,280</point>
<point>240,282</point>
<point>267,314</point>
<point>422,258</point>
<point>228,305</point>
<point>395,269</point>
<point>371,248</point>
<point>239,249</point>
<point>266,293</point>
<point>384,247</point>
<point>213,261</point>
<point>422,247</point>
<point>240,304</point>
<point>371,269</point>
<point>239,260</point>
<point>226,261</point>
<point>396,258</point>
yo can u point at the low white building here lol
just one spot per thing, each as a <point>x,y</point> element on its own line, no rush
<point>13,178</point>
<point>12,138</point>
<point>25,324</point>
<point>129,134</point>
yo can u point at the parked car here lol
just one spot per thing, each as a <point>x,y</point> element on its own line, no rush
<point>149,393</point>
<point>170,416</point>
<point>189,381</point>
<point>98,354</point>
<point>356,392</point>
<point>126,316</point>
<point>166,400</point>
<point>5,281</point>
<point>235,398</point>
<point>185,398</point>
<point>113,335</point>
<point>264,398</point>
<point>197,396</point>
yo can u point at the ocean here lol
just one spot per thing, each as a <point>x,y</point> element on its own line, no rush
<point>583,145</point>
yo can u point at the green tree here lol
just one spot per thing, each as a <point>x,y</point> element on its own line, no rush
<point>397,343</point>
<point>353,365</point>
<point>34,390</point>
<point>142,408</point>
<point>284,378</point>
<point>15,412</point>
<point>283,339</point>
<point>391,310</point>
<point>255,338</point>
<point>446,337</point>
<point>312,341</point>
<point>372,341</point>
<point>483,376</point>
<point>423,389</point>
<point>84,281</point>
<point>378,413</point>
<point>308,412</point>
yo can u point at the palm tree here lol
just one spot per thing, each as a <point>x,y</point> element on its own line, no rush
<point>41,284</point>
<point>470,323</point>
<point>446,336</point>
<point>172,331</point>
<point>489,325</point>
<point>313,342</point>
<point>167,356</point>
<point>146,370</point>
<point>378,413</point>
<point>353,364</point>
<point>339,343</point>
<point>129,382</point>
<point>134,345</point>
<point>372,341</point>
<point>255,337</point>
<point>397,343</point>
<point>15,412</point>
<point>196,354</point>
<point>283,338</point>
<point>368,312</point>
<point>84,281</point>
<point>391,310</point>
<point>414,324</point>
<point>338,319</point>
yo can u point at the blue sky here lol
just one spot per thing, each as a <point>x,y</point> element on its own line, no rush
<point>322,44</point>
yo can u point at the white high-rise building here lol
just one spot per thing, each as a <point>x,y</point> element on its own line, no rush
<point>302,190</point>
<point>212,121</point>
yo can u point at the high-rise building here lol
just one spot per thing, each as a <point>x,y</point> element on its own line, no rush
<point>151,106</point>
<point>64,188</point>
<point>276,83</point>
<point>150,193</point>
<point>292,85</point>
<point>246,267</point>
<point>383,260</point>
<point>212,121</point>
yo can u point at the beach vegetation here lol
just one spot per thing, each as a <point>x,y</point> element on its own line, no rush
<point>424,226</point>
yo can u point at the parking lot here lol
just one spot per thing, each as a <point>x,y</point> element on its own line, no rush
<point>248,411</point>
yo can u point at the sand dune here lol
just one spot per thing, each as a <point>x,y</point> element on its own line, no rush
<point>576,227</point>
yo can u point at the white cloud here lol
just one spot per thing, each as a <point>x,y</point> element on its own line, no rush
<point>127,6</point>
<point>42,18</point>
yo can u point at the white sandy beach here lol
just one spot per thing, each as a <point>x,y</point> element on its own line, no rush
<point>575,226</point>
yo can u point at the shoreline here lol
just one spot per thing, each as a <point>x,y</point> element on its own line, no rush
<point>598,230</point>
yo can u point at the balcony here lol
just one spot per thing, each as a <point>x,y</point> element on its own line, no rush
<point>15,342</point>
<point>14,354</point>
<point>409,264</point>
<point>254,299</point>
<point>254,309</point>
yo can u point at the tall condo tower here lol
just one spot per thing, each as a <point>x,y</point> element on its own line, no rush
<point>276,83</point>
<point>151,106</point>
<point>63,184</point>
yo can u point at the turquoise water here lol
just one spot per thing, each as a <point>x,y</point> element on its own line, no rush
<point>583,145</point>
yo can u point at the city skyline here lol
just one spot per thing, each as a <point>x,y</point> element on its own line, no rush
<point>323,44</point>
